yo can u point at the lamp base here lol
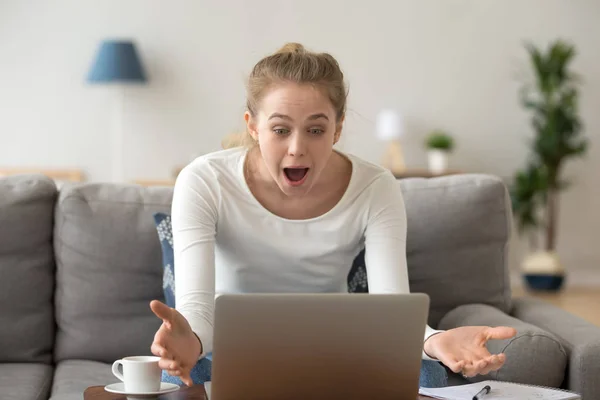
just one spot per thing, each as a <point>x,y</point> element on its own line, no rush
<point>393,158</point>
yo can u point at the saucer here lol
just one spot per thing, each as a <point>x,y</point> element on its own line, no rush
<point>119,388</point>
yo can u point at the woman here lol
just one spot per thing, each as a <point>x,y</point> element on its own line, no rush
<point>288,213</point>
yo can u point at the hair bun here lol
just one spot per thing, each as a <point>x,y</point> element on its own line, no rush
<point>296,48</point>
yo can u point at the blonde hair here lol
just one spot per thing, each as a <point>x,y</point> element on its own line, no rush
<point>292,63</point>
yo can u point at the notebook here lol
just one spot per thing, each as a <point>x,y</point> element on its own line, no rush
<point>500,391</point>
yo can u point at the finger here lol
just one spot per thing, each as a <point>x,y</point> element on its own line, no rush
<point>497,361</point>
<point>474,364</point>
<point>167,364</point>
<point>486,370</point>
<point>492,363</point>
<point>500,332</point>
<point>468,370</point>
<point>481,364</point>
<point>185,378</point>
<point>174,372</point>
<point>455,365</point>
<point>160,351</point>
<point>475,368</point>
<point>486,359</point>
<point>162,311</point>
<point>494,359</point>
<point>156,349</point>
<point>481,367</point>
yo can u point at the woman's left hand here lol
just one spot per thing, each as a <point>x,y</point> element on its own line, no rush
<point>463,349</point>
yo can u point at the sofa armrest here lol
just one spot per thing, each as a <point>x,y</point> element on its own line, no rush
<point>580,338</point>
<point>533,356</point>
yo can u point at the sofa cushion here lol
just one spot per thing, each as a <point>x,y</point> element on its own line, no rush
<point>26,268</point>
<point>72,377</point>
<point>25,381</point>
<point>531,348</point>
<point>108,270</point>
<point>458,233</point>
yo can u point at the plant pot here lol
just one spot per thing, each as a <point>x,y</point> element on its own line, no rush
<point>438,161</point>
<point>542,271</point>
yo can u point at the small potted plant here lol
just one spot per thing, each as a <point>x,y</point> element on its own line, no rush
<point>439,145</point>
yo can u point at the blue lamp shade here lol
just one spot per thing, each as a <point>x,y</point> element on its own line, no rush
<point>117,61</point>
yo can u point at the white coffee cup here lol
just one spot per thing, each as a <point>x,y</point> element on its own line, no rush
<point>140,373</point>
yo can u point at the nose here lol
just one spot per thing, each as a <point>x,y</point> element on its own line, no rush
<point>297,145</point>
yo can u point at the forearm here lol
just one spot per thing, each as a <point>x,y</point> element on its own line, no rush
<point>199,315</point>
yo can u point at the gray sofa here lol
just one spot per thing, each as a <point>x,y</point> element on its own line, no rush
<point>79,266</point>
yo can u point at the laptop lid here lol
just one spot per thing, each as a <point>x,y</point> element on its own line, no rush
<point>300,346</point>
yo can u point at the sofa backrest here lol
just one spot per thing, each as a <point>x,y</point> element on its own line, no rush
<point>458,233</point>
<point>109,258</point>
<point>109,268</point>
<point>26,268</point>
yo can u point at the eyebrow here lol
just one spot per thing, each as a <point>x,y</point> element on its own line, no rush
<point>310,118</point>
<point>317,116</point>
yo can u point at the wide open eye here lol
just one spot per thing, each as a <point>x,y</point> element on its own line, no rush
<point>281,131</point>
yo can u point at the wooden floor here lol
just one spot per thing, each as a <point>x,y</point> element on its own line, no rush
<point>583,301</point>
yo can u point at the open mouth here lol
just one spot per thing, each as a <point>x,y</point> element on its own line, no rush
<point>295,175</point>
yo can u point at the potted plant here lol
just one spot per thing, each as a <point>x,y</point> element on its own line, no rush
<point>439,144</point>
<point>552,99</point>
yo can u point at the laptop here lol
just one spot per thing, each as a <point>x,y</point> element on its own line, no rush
<point>317,346</point>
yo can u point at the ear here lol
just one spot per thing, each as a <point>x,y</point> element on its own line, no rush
<point>338,129</point>
<point>251,125</point>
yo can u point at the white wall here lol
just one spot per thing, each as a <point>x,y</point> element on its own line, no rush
<point>449,64</point>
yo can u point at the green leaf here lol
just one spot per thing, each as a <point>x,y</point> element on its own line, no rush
<point>439,140</point>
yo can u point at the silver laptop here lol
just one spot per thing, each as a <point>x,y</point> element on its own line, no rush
<point>318,346</point>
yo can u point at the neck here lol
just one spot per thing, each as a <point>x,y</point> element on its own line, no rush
<point>256,172</point>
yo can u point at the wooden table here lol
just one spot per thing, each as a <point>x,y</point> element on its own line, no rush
<point>195,392</point>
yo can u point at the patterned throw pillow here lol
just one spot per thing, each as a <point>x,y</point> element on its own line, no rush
<point>165,235</point>
<point>357,278</point>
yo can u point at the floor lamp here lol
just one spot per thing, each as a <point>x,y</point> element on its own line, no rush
<point>117,64</point>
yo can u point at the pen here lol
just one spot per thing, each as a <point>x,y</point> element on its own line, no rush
<point>486,389</point>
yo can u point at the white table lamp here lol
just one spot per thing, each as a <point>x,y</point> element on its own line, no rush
<point>390,128</point>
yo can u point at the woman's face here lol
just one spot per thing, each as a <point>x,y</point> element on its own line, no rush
<point>296,129</point>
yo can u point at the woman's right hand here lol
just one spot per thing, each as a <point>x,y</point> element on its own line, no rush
<point>175,343</point>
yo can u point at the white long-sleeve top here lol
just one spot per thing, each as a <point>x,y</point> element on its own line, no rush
<point>225,241</point>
